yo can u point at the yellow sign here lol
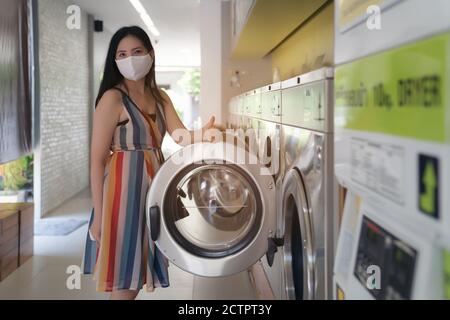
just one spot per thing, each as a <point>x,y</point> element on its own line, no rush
<point>401,92</point>
<point>446,274</point>
<point>340,294</point>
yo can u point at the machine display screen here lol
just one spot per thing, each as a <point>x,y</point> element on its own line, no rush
<point>396,261</point>
<point>375,242</point>
<point>401,265</point>
<point>447,274</point>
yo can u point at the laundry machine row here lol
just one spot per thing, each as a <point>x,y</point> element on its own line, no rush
<point>293,121</point>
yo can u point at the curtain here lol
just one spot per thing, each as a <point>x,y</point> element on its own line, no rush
<point>15,97</point>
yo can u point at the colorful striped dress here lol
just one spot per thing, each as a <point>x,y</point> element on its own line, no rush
<point>127,258</point>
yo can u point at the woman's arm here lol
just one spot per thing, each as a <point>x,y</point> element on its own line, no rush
<point>175,126</point>
<point>106,117</point>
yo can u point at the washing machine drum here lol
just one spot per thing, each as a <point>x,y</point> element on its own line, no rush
<point>222,196</point>
<point>211,218</point>
<point>216,212</point>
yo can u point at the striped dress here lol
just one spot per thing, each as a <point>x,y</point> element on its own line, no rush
<point>127,259</point>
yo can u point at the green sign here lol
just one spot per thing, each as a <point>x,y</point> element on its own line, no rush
<point>400,92</point>
<point>429,185</point>
<point>447,275</point>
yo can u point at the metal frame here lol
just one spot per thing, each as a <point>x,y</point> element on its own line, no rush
<point>35,102</point>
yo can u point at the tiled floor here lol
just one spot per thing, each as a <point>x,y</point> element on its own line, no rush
<point>44,276</point>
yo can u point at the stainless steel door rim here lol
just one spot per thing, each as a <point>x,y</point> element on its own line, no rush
<point>295,203</point>
<point>255,178</point>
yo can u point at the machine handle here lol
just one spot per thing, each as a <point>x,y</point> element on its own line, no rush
<point>155,222</point>
<point>272,248</point>
<point>259,110</point>
<point>275,107</point>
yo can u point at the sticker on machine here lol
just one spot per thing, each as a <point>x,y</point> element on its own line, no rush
<point>379,167</point>
<point>428,181</point>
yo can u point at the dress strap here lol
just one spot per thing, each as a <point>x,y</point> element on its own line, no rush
<point>123,92</point>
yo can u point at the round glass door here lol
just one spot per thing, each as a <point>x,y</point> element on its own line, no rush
<point>212,211</point>
<point>299,265</point>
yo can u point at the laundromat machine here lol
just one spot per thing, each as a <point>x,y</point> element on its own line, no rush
<point>309,188</point>
<point>295,143</point>
<point>269,138</point>
<point>209,212</point>
<point>392,152</point>
<point>233,114</point>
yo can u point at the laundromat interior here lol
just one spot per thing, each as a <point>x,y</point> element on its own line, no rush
<point>341,111</point>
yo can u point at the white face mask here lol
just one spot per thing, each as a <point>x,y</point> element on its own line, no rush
<point>135,67</point>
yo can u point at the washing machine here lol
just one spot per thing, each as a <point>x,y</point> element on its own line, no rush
<point>208,212</point>
<point>233,114</point>
<point>248,125</point>
<point>269,147</point>
<point>269,129</point>
<point>241,101</point>
<point>309,187</point>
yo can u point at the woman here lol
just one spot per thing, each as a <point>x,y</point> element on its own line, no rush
<point>131,118</point>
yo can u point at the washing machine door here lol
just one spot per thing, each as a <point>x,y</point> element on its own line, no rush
<point>210,211</point>
<point>298,251</point>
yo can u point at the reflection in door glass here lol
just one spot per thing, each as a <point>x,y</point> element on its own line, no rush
<point>217,208</point>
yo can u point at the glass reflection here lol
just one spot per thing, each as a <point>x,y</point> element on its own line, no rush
<point>216,207</point>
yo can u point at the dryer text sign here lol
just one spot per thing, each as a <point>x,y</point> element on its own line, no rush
<point>401,92</point>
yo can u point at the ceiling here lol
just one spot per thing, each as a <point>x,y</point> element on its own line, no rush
<point>177,21</point>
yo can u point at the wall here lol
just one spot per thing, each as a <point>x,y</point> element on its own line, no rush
<point>64,104</point>
<point>309,48</point>
<point>100,49</point>
<point>187,107</point>
<point>258,72</point>
<point>217,66</point>
<point>211,59</point>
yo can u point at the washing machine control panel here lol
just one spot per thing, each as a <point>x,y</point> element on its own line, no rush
<point>384,265</point>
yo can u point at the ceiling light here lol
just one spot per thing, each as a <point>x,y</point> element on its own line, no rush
<point>154,31</point>
<point>145,17</point>
<point>147,20</point>
<point>138,6</point>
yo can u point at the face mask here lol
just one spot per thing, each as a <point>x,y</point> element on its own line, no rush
<point>135,67</point>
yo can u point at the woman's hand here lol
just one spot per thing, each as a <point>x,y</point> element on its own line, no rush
<point>95,229</point>
<point>210,136</point>
<point>106,116</point>
<point>209,125</point>
<point>173,124</point>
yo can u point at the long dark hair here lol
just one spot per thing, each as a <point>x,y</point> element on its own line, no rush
<point>112,76</point>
